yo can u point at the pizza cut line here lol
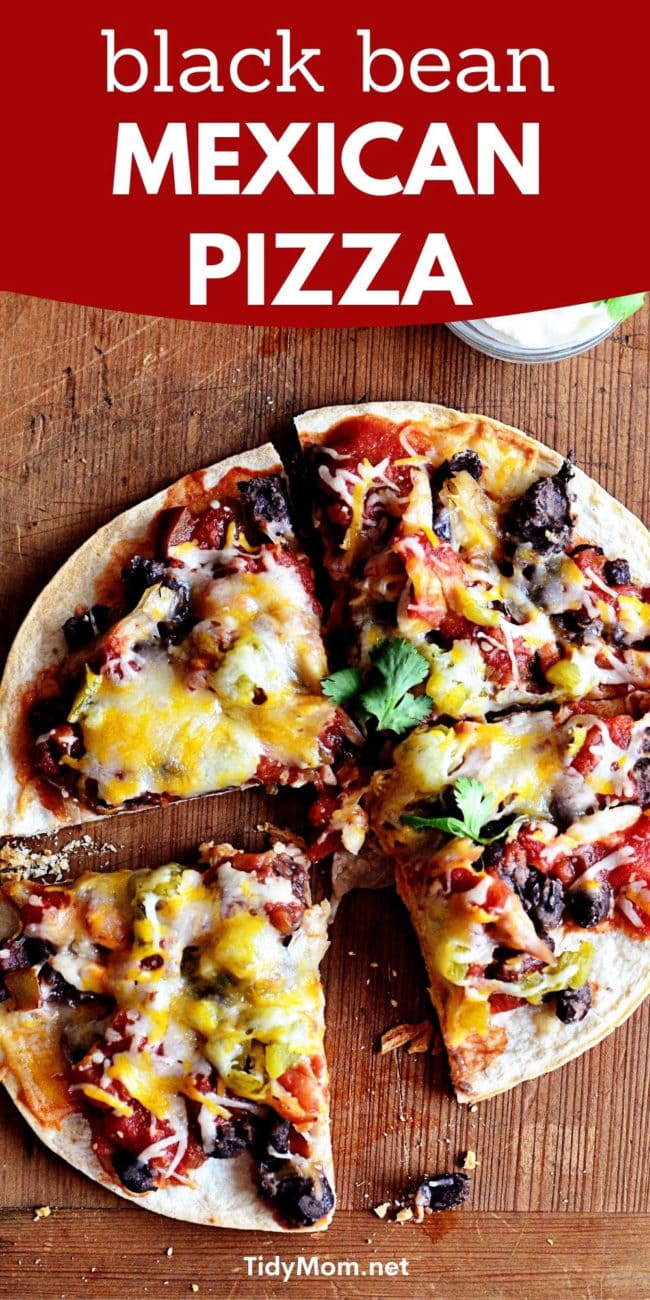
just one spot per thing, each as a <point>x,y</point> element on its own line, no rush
<point>482,733</point>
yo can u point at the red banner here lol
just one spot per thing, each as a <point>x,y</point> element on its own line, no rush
<point>355,165</point>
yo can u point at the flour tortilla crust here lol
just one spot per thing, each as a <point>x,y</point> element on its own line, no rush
<point>599,517</point>
<point>40,643</point>
<point>224,1194</point>
<point>537,1041</point>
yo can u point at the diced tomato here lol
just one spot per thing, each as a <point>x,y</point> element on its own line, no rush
<point>132,1132</point>
<point>324,846</point>
<point>455,627</point>
<point>374,438</point>
<point>498,895</point>
<point>589,557</point>
<point>498,658</point>
<point>193,1158</point>
<point>548,655</point>
<point>298,1143</point>
<point>269,770</point>
<point>504,1002</point>
<point>42,900</point>
<point>461,879</point>
<point>586,760</point>
<point>286,917</point>
<point>620,729</point>
<point>638,867</point>
<point>320,813</point>
<point>209,530</point>
<point>299,1081</point>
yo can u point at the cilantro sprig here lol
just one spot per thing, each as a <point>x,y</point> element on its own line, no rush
<point>386,696</point>
<point>476,806</point>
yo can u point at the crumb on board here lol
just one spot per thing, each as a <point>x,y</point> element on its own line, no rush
<point>42,1212</point>
<point>416,1038</point>
<point>469,1161</point>
<point>194,1286</point>
<point>18,860</point>
<point>430,1194</point>
<point>169,1251</point>
<point>404,1215</point>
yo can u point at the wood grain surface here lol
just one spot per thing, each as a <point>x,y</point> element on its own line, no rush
<point>99,409</point>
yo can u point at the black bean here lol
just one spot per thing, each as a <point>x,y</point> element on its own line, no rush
<point>266,502</point>
<point>442,1191</point>
<point>231,1136</point>
<point>78,630</point>
<point>589,903</point>
<point>58,990</point>
<point>139,574</point>
<point>542,896</point>
<point>542,514</point>
<point>23,952</point>
<point>279,1131</point>
<point>573,1004</point>
<point>13,956</point>
<point>578,626</point>
<point>300,1200</point>
<point>175,626</point>
<point>469,461</point>
<point>641,772</point>
<point>616,572</point>
<point>442,524</point>
<point>136,1175</point>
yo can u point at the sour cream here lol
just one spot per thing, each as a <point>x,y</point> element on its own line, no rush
<point>549,329</point>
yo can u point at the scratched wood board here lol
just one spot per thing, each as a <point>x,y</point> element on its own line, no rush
<point>99,409</point>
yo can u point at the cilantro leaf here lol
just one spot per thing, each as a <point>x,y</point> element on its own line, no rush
<point>476,806</point>
<point>475,802</point>
<point>342,687</point>
<point>397,666</point>
<point>620,308</point>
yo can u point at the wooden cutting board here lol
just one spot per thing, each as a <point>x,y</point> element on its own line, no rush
<point>100,409</point>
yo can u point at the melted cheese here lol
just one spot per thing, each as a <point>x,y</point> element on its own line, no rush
<point>205,979</point>
<point>245,684</point>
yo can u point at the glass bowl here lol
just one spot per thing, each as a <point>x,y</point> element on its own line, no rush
<point>478,334</point>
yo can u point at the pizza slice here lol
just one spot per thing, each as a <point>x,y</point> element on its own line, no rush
<point>177,653</point>
<point>521,848</point>
<point>162,1030</point>
<point>517,578</point>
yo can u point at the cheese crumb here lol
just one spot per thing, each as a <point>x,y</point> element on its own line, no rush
<point>169,1250</point>
<point>381,1210</point>
<point>42,1212</point>
<point>194,1286</point>
<point>404,1215</point>
<point>470,1162</point>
